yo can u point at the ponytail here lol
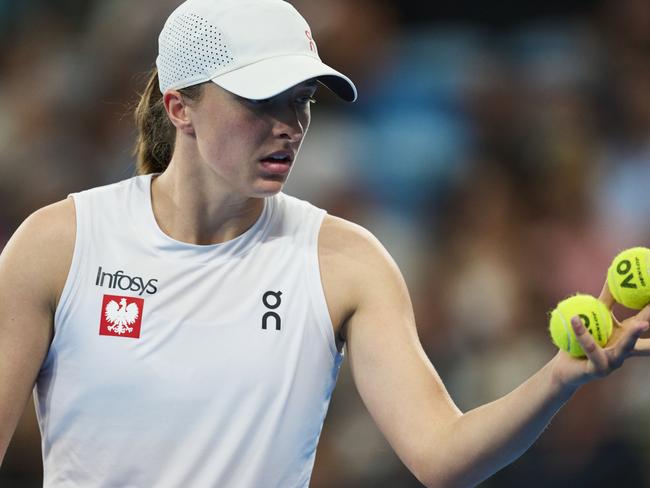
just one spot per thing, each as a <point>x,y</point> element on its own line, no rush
<point>156,134</point>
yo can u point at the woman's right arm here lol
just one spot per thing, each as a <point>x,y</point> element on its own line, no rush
<point>33,268</point>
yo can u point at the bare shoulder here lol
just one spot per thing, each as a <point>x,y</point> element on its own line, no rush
<point>33,268</point>
<point>50,231</point>
<point>42,247</point>
<point>347,240</point>
<point>355,268</point>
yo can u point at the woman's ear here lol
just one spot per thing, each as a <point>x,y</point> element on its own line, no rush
<point>176,108</point>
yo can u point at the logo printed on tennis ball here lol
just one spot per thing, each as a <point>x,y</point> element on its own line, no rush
<point>628,278</point>
<point>594,315</point>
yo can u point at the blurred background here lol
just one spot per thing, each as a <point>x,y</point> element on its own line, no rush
<point>500,153</point>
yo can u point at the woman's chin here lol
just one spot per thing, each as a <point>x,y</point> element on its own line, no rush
<point>268,187</point>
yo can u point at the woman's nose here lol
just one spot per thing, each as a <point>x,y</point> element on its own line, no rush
<point>288,124</point>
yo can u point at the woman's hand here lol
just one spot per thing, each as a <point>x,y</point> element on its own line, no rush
<point>624,343</point>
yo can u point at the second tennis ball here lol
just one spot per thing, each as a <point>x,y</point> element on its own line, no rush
<point>594,315</point>
<point>628,279</point>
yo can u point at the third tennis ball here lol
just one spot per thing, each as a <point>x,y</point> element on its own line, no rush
<point>594,315</point>
<point>628,279</point>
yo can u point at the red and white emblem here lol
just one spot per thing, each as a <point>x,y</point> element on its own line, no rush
<point>121,316</point>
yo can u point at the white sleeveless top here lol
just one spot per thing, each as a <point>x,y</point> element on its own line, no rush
<point>180,365</point>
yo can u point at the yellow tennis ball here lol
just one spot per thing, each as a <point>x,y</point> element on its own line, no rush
<point>628,279</point>
<point>595,317</point>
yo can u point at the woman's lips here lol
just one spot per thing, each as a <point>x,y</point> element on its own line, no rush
<point>276,166</point>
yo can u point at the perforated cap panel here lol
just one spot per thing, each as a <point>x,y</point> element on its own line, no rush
<point>253,48</point>
<point>191,50</point>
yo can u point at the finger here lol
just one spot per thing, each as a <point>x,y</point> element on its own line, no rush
<point>628,341</point>
<point>641,348</point>
<point>606,296</point>
<point>644,314</point>
<point>608,299</point>
<point>592,350</point>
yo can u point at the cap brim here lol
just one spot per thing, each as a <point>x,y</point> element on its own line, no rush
<point>272,76</point>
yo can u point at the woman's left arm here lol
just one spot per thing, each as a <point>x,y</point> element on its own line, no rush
<point>441,445</point>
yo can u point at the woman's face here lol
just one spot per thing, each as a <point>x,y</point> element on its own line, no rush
<point>251,145</point>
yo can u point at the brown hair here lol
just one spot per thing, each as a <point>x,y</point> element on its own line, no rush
<point>154,145</point>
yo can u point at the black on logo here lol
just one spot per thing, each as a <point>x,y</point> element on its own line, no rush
<point>272,300</point>
<point>623,268</point>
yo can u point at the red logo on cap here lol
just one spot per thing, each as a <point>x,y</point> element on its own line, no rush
<point>312,44</point>
<point>121,316</point>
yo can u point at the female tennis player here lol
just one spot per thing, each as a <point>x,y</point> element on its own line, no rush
<point>185,327</point>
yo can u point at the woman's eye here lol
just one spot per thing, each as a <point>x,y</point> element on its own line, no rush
<point>258,102</point>
<point>303,101</point>
<point>306,100</point>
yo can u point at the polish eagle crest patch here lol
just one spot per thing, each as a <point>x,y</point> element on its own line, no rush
<point>121,316</point>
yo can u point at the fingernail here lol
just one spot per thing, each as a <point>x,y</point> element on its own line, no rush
<point>580,327</point>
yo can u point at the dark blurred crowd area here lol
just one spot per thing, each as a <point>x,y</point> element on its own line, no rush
<point>501,154</point>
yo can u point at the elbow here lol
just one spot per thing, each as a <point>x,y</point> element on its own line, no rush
<point>450,477</point>
<point>438,463</point>
<point>445,480</point>
<point>438,480</point>
<point>445,472</point>
<point>433,473</point>
<point>450,472</point>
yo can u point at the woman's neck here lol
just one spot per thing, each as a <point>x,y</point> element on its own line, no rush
<point>193,209</point>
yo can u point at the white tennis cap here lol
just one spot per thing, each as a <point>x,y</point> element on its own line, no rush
<point>253,48</point>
